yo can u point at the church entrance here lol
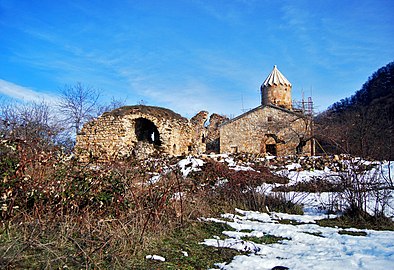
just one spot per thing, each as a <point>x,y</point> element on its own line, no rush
<point>271,148</point>
<point>270,144</point>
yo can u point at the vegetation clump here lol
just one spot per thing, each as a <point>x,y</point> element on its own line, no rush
<point>353,233</point>
<point>266,239</point>
<point>361,220</point>
<point>58,213</point>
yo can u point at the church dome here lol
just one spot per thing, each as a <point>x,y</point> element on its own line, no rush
<point>276,90</point>
<point>276,78</point>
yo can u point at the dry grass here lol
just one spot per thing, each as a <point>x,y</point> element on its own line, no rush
<point>58,213</point>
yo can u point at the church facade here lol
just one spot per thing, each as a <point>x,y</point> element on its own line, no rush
<point>274,127</point>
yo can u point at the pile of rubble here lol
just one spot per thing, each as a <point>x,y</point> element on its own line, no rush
<point>335,163</point>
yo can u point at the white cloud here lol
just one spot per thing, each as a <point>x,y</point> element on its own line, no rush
<point>23,93</point>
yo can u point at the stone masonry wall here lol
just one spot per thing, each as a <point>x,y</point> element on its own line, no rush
<point>213,132</point>
<point>142,130</point>
<point>113,135</point>
<point>279,95</point>
<point>252,131</point>
<point>100,138</point>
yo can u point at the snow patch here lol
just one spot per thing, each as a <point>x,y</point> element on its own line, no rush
<point>190,164</point>
<point>155,257</point>
<point>185,253</point>
<point>305,246</point>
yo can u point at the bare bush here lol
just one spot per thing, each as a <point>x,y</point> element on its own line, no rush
<point>96,216</point>
<point>32,123</point>
<point>59,213</point>
<point>78,103</point>
<point>239,188</point>
<point>365,189</point>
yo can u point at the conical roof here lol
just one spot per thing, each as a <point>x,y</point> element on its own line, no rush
<point>276,78</point>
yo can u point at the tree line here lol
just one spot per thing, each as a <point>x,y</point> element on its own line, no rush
<point>362,124</point>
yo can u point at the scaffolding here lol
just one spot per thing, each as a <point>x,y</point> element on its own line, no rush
<point>304,106</point>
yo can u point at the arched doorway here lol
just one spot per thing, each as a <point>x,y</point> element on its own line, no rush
<point>270,146</point>
<point>146,131</point>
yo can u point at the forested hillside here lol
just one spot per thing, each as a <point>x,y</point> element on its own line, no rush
<point>362,124</point>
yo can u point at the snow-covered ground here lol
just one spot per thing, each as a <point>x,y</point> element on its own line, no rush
<point>379,173</point>
<point>309,246</point>
<point>306,246</point>
<point>373,172</point>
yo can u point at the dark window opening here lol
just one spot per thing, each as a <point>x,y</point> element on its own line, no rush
<point>189,148</point>
<point>271,148</point>
<point>269,118</point>
<point>203,139</point>
<point>146,131</point>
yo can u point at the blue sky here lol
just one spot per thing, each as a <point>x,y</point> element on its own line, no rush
<point>192,55</point>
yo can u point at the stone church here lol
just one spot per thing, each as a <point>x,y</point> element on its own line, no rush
<point>139,131</point>
<point>274,127</point>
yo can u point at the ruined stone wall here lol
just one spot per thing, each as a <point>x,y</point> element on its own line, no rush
<point>142,130</point>
<point>120,134</point>
<point>199,132</point>
<point>265,125</point>
<point>212,139</point>
<point>101,139</point>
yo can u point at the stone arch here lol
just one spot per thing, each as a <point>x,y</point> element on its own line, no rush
<point>146,131</point>
<point>269,144</point>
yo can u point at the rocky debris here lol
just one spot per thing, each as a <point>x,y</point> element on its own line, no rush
<point>336,163</point>
<point>144,150</point>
